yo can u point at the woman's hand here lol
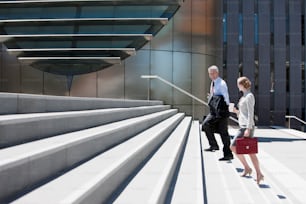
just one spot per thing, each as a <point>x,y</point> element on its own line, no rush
<point>246,133</point>
<point>235,110</point>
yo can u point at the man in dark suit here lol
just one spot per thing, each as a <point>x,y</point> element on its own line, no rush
<point>217,120</point>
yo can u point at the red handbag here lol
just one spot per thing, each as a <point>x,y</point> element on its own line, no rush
<point>246,145</point>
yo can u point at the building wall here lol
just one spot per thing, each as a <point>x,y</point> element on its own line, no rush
<point>264,40</point>
<point>180,53</point>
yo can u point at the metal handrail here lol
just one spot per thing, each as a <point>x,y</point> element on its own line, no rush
<point>179,89</point>
<point>294,117</point>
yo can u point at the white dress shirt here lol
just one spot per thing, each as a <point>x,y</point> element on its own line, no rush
<point>220,89</point>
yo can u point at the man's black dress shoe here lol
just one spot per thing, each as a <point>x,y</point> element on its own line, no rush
<point>226,158</point>
<point>211,149</point>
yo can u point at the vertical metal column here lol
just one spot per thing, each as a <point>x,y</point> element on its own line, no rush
<point>1,65</point>
<point>264,62</point>
<point>295,55</point>
<point>232,48</point>
<point>248,39</point>
<point>279,11</point>
<point>304,65</point>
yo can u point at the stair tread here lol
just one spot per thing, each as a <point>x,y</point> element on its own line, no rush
<point>46,115</point>
<point>29,150</point>
<point>281,184</point>
<point>189,183</point>
<point>234,188</point>
<point>289,184</point>
<point>263,193</point>
<point>293,132</point>
<point>76,183</point>
<point>36,126</point>
<point>29,103</point>
<point>150,182</point>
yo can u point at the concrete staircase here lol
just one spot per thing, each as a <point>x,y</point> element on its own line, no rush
<point>85,150</point>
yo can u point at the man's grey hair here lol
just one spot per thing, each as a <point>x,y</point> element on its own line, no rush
<point>213,68</point>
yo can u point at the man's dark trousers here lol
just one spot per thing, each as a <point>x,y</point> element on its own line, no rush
<point>212,125</point>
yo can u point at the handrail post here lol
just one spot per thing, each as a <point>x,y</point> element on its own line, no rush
<point>148,89</point>
<point>148,77</point>
<point>289,125</point>
<point>192,109</point>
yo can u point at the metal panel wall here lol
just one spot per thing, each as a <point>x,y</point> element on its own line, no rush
<point>135,66</point>
<point>279,11</point>
<point>53,85</point>
<point>110,82</point>
<point>199,39</point>
<point>182,45</point>
<point>200,82</point>
<point>264,62</point>
<point>182,77</point>
<point>162,65</point>
<point>248,41</point>
<point>295,57</point>
<point>163,40</point>
<point>11,74</point>
<point>232,58</point>
<point>182,29</point>
<point>2,50</point>
<point>32,80</point>
<point>84,85</point>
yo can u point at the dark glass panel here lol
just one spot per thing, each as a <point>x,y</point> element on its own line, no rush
<point>88,12</point>
<point>20,30</point>
<point>120,29</point>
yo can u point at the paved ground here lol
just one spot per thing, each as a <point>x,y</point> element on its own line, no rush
<point>282,155</point>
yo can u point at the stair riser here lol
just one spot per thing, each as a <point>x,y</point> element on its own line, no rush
<point>160,171</point>
<point>30,171</point>
<point>28,103</point>
<point>164,190</point>
<point>109,185</point>
<point>20,131</point>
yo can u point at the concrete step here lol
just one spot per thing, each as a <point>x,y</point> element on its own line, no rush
<point>24,166</point>
<point>266,192</point>
<point>223,181</point>
<point>189,183</point>
<point>224,184</point>
<point>21,128</point>
<point>94,181</point>
<point>293,132</point>
<point>153,181</point>
<point>290,186</point>
<point>12,103</point>
<point>282,157</point>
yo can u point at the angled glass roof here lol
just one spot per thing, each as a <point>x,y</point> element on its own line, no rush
<point>75,40</point>
<point>70,52</point>
<point>83,25</point>
<point>67,32</point>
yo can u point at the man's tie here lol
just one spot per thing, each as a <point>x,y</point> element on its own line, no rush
<point>212,88</point>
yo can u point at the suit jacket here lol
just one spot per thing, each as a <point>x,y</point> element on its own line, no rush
<point>218,107</point>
